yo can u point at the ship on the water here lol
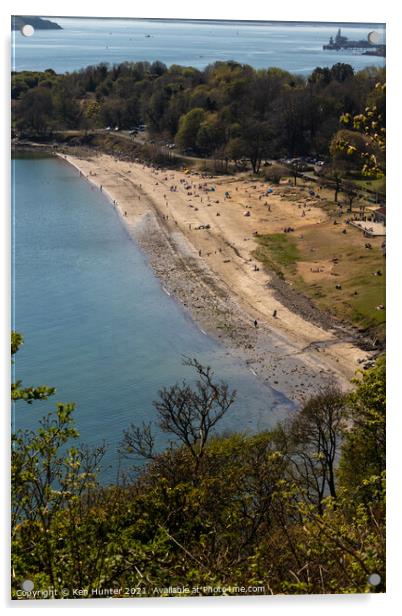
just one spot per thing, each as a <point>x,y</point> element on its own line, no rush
<point>367,46</point>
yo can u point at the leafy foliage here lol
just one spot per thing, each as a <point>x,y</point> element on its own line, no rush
<point>28,394</point>
<point>362,465</point>
<point>227,110</point>
<point>245,515</point>
<point>370,123</point>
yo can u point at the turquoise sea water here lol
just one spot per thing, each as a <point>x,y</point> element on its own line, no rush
<point>96,322</point>
<point>293,47</point>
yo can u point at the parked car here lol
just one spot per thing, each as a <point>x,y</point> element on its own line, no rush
<point>303,166</point>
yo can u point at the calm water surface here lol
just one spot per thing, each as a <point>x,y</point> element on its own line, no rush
<point>96,322</point>
<point>296,48</point>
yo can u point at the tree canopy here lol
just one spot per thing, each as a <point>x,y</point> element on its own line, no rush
<point>228,108</point>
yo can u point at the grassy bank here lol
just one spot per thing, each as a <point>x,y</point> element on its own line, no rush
<point>278,252</point>
<point>333,269</point>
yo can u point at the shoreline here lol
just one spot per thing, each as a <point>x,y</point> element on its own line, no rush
<point>295,365</point>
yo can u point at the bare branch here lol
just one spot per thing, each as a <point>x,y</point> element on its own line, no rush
<point>138,442</point>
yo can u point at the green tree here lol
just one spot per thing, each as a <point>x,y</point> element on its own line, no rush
<point>335,174</point>
<point>28,394</point>
<point>50,483</point>
<point>362,465</point>
<point>91,112</point>
<point>66,106</point>
<point>35,111</point>
<point>235,150</point>
<point>320,76</point>
<point>295,169</point>
<point>350,191</point>
<point>112,112</point>
<point>341,72</point>
<point>189,127</point>
<point>312,441</point>
<point>256,137</point>
<point>371,125</point>
<point>292,121</point>
<point>348,147</point>
<point>211,134</point>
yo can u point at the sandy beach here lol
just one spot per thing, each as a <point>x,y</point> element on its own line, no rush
<point>199,234</point>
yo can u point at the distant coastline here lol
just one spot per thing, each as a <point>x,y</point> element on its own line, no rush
<point>115,40</point>
<point>250,22</point>
<point>19,21</point>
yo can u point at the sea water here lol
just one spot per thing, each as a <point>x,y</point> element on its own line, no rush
<point>96,322</point>
<point>293,47</point>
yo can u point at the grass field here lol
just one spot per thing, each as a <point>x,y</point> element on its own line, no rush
<point>279,252</point>
<point>371,184</point>
<point>322,259</point>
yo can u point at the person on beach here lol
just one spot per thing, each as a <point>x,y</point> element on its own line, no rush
<point>101,188</point>
<point>255,323</point>
<point>275,312</point>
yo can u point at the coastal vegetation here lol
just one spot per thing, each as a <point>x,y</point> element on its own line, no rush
<point>298,509</point>
<point>228,110</point>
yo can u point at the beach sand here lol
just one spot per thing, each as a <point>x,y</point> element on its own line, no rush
<point>212,272</point>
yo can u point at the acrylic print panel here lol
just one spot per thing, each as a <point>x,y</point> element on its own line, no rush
<point>199,222</point>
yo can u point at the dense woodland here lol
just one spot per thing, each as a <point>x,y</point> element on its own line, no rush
<point>228,109</point>
<point>298,509</point>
